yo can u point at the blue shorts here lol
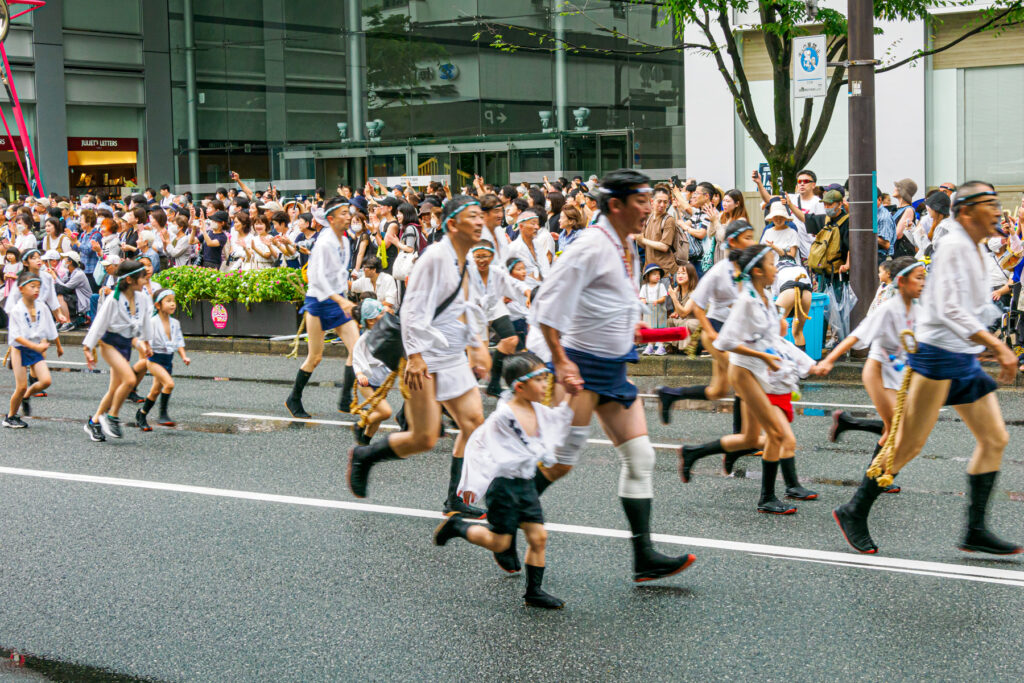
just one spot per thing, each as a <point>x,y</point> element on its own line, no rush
<point>969,380</point>
<point>164,360</point>
<point>330,313</point>
<point>29,357</point>
<point>716,325</point>
<point>121,343</point>
<point>606,377</point>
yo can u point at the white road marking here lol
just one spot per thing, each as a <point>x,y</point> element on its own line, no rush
<point>64,362</point>
<point>935,569</point>
<point>386,425</point>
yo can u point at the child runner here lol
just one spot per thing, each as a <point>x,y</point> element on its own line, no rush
<point>518,304</point>
<point>30,329</point>
<point>167,339</point>
<point>952,329</point>
<point>496,286</point>
<point>502,457</point>
<point>326,307</point>
<point>370,373</point>
<point>124,320</point>
<point>764,369</point>
<point>883,371</point>
<point>653,294</point>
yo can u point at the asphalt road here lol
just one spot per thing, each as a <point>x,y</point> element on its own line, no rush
<point>228,548</point>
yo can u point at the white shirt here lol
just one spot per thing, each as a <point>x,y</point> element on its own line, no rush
<point>25,242</point>
<point>22,325</point>
<point>161,343</point>
<point>47,294</point>
<point>588,296</point>
<point>500,447</point>
<point>956,302</point>
<point>784,239</point>
<point>328,266</point>
<point>881,331</point>
<point>434,277</point>
<point>386,290</point>
<point>498,286</point>
<point>536,344</point>
<point>716,291</point>
<point>996,276</point>
<point>367,365</point>
<point>114,315</point>
<point>651,293</point>
<point>814,206</point>
<point>534,266</point>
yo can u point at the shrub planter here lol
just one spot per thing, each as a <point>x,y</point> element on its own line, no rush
<point>233,319</point>
<point>191,324</point>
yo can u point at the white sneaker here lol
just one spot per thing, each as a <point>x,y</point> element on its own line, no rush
<point>648,350</point>
<point>111,426</point>
<point>659,350</point>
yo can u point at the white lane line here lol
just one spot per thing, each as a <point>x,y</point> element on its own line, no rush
<point>345,423</point>
<point>64,362</point>
<point>937,569</point>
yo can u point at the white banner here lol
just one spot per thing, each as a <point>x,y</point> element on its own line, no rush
<point>810,63</point>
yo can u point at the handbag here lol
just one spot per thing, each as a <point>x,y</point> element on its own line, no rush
<point>384,341</point>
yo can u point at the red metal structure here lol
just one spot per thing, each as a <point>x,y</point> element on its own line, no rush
<point>35,187</point>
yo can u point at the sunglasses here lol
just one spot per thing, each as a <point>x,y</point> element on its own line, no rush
<point>804,181</point>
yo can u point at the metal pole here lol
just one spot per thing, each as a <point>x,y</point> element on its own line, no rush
<point>190,95</point>
<point>561,82</point>
<point>863,243</point>
<point>355,44</point>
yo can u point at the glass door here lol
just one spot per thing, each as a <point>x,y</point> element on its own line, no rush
<point>614,152</point>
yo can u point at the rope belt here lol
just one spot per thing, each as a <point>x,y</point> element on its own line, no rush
<point>881,467</point>
<point>294,353</point>
<point>364,408</point>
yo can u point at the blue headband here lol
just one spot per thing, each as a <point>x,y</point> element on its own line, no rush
<point>483,247</point>
<point>31,279</point>
<point>530,375</point>
<point>909,269</point>
<point>513,263</point>
<point>28,254</point>
<point>524,218</point>
<point>745,275</point>
<point>459,210</point>
<point>160,296</point>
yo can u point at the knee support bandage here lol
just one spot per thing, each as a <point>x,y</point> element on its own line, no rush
<point>569,452</point>
<point>636,464</point>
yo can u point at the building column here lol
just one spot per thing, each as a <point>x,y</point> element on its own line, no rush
<point>561,81</point>
<point>190,94</point>
<point>51,129</point>
<point>355,44</point>
<point>158,136</point>
<point>274,36</point>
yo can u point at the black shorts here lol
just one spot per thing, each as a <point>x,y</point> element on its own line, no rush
<point>503,327</point>
<point>795,284</point>
<point>510,502</point>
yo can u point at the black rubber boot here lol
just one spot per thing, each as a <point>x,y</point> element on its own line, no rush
<point>454,504</point>
<point>360,433</point>
<point>977,538</point>
<point>669,395</point>
<point>535,596</point>
<point>508,559</point>
<point>497,363</point>
<point>147,405</point>
<point>140,419</point>
<point>852,517</point>
<point>361,459</point>
<point>648,563</point>
<point>541,482</point>
<point>843,421</point>
<point>454,526</point>
<point>794,490</point>
<point>729,458</point>
<point>163,418</point>
<point>689,455</point>
<point>768,503</point>
<point>294,401</point>
<point>347,383</point>
<point>400,420</point>
<point>891,488</point>
<point>737,415</point>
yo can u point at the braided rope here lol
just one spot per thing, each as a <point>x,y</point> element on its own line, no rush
<point>368,405</point>
<point>549,390</point>
<point>7,357</point>
<point>881,467</point>
<point>294,353</point>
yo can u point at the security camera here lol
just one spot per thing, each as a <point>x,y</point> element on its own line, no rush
<point>812,8</point>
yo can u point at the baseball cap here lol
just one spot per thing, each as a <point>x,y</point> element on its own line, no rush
<point>73,256</point>
<point>219,216</point>
<point>832,197</point>
<point>389,201</point>
<point>938,202</point>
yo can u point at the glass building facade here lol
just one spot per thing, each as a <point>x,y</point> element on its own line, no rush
<point>306,92</point>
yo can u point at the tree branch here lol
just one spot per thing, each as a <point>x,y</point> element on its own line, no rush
<point>744,102</point>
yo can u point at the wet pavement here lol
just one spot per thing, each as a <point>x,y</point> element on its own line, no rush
<point>228,548</point>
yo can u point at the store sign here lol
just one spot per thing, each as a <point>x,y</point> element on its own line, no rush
<point>11,143</point>
<point>809,67</point>
<point>103,144</point>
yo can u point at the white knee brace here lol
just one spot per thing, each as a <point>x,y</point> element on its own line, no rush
<point>636,459</point>
<point>569,452</point>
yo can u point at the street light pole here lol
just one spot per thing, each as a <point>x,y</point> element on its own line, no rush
<point>863,241</point>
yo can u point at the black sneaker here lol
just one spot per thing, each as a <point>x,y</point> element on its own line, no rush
<point>539,598</point>
<point>294,407</point>
<point>891,488</point>
<point>94,430</point>
<point>26,407</point>
<point>111,426</point>
<point>455,505</point>
<point>135,398</point>
<point>141,422</point>
<point>984,541</point>
<point>776,507</point>
<point>39,394</point>
<point>14,422</point>
<point>800,493</point>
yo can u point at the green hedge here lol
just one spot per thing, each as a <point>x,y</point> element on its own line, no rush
<point>192,283</point>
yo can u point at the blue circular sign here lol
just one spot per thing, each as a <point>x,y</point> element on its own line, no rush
<point>808,58</point>
<point>448,72</point>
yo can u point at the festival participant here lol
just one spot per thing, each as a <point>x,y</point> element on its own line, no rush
<point>502,458</point>
<point>711,301</point>
<point>952,329</point>
<point>123,321</point>
<point>30,331</point>
<point>883,371</point>
<point>530,248</point>
<point>440,321</point>
<point>764,369</point>
<point>371,374</point>
<point>495,285</point>
<point>588,311</point>
<point>167,338</point>
<point>326,307</point>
